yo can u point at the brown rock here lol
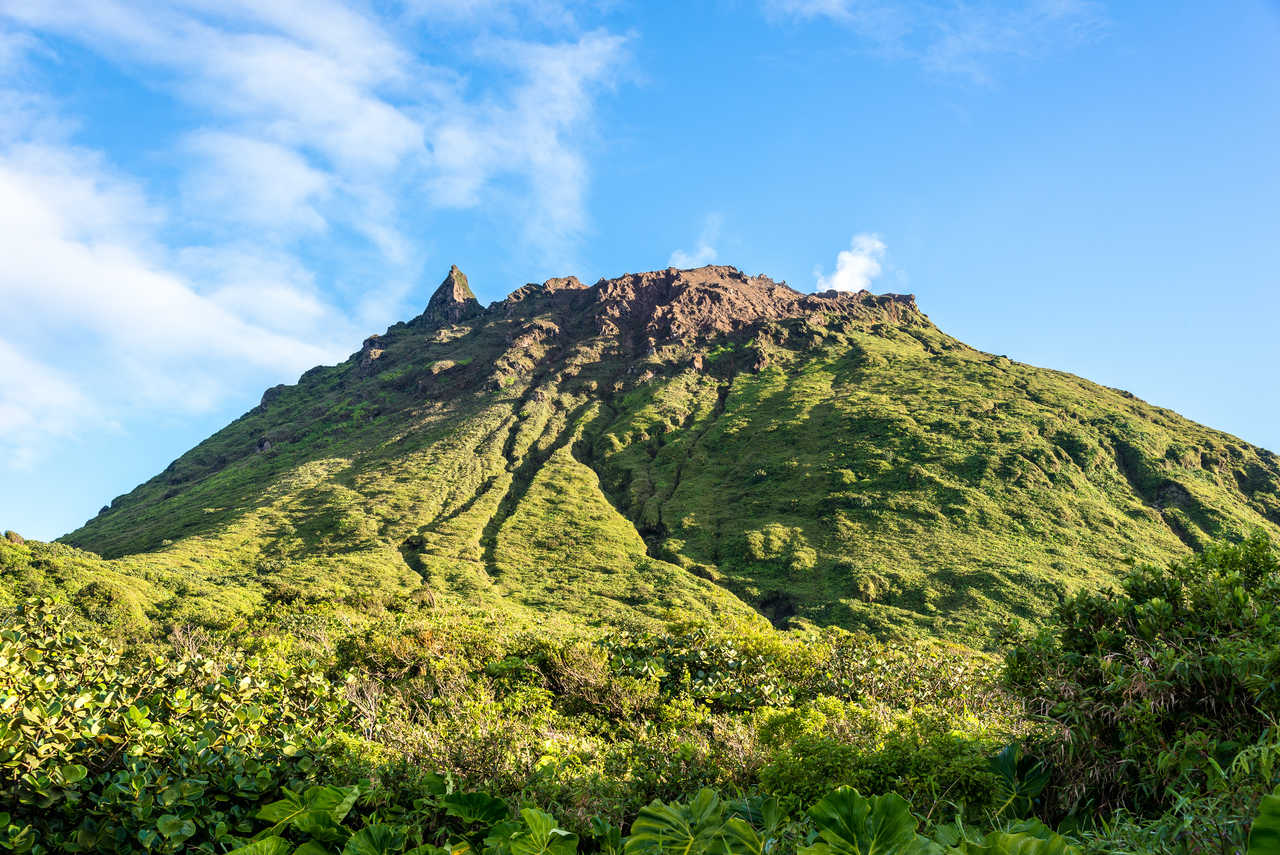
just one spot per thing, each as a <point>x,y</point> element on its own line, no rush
<point>453,301</point>
<point>666,305</point>
<point>373,347</point>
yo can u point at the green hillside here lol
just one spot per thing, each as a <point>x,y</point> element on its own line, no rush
<point>693,441</point>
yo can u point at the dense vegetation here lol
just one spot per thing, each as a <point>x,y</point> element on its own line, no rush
<point>685,562</point>
<point>1142,720</point>
<point>557,460</point>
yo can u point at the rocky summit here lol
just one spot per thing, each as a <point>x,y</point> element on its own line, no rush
<point>700,440</point>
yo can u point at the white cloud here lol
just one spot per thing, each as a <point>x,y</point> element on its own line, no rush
<point>954,38</point>
<point>256,182</point>
<point>13,49</point>
<point>475,146</point>
<point>38,407</point>
<point>855,266</point>
<point>308,131</point>
<point>704,253</point>
<point>108,326</point>
<point>265,288</point>
<point>497,13</point>
<point>280,83</point>
<point>335,95</point>
<point>72,261</point>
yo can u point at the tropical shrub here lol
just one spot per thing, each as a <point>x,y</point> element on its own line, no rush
<point>926,754</point>
<point>1156,688</point>
<point>318,822</point>
<point>849,824</point>
<point>99,752</point>
<point>1264,837</point>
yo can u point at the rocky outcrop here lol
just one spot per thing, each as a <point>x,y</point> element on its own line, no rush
<point>662,306</point>
<point>373,348</point>
<point>666,305</point>
<point>452,302</point>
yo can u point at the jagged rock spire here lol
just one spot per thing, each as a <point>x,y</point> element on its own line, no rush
<point>453,301</point>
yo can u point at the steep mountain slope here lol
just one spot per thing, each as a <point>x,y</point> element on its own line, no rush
<point>694,440</point>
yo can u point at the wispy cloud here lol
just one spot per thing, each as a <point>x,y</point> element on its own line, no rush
<point>38,406</point>
<point>856,266</point>
<point>253,181</point>
<point>704,253</point>
<point>306,134</point>
<point>498,14</point>
<point>482,150</point>
<point>954,38</point>
<point>105,309</point>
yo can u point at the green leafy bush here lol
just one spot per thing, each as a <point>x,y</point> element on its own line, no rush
<point>849,824</point>
<point>926,754</point>
<point>1156,688</point>
<point>147,754</point>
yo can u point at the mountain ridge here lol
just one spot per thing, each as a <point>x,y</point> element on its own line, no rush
<point>698,439</point>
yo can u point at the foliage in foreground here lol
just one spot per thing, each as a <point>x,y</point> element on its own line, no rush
<point>842,823</point>
<point>102,751</point>
<point>100,754</point>
<point>1168,690</point>
<point>415,732</point>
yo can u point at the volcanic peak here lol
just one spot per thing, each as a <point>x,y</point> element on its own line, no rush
<point>668,305</point>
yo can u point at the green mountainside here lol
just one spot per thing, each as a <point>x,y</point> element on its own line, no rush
<point>700,442</point>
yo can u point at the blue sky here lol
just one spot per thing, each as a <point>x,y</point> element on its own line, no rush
<point>203,198</point>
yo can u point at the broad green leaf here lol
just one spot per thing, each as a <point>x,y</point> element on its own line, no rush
<point>265,846</point>
<point>1019,780</point>
<point>699,827</point>
<point>175,827</point>
<point>705,807</point>
<point>476,807</point>
<point>435,783</point>
<point>660,828</point>
<point>542,836</point>
<point>72,773</point>
<point>281,810</point>
<point>335,802</point>
<point>1032,827</point>
<point>312,848</point>
<point>1025,843</point>
<point>501,832</point>
<point>318,812</point>
<point>1264,837</point>
<point>762,812</point>
<point>539,823</point>
<point>739,838</point>
<point>608,836</point>
<point>379,839</point>
<point>852,825</point>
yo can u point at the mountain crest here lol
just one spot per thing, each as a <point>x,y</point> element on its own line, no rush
<point>453,301</point>
<point>671,304</point>
<point>702,440</point>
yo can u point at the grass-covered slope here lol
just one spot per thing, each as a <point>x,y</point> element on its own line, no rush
<point>696,441</point>
<point>896,473</point>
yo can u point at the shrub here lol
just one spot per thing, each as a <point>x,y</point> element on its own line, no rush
<point>925,754</point>
<point>1155,688</point>
<point>104,753</point>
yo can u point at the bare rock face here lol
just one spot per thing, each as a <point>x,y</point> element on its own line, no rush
<point>645,311</point>
<point>373,348</point>
<point>453,301</point>
<point>666,305</point>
